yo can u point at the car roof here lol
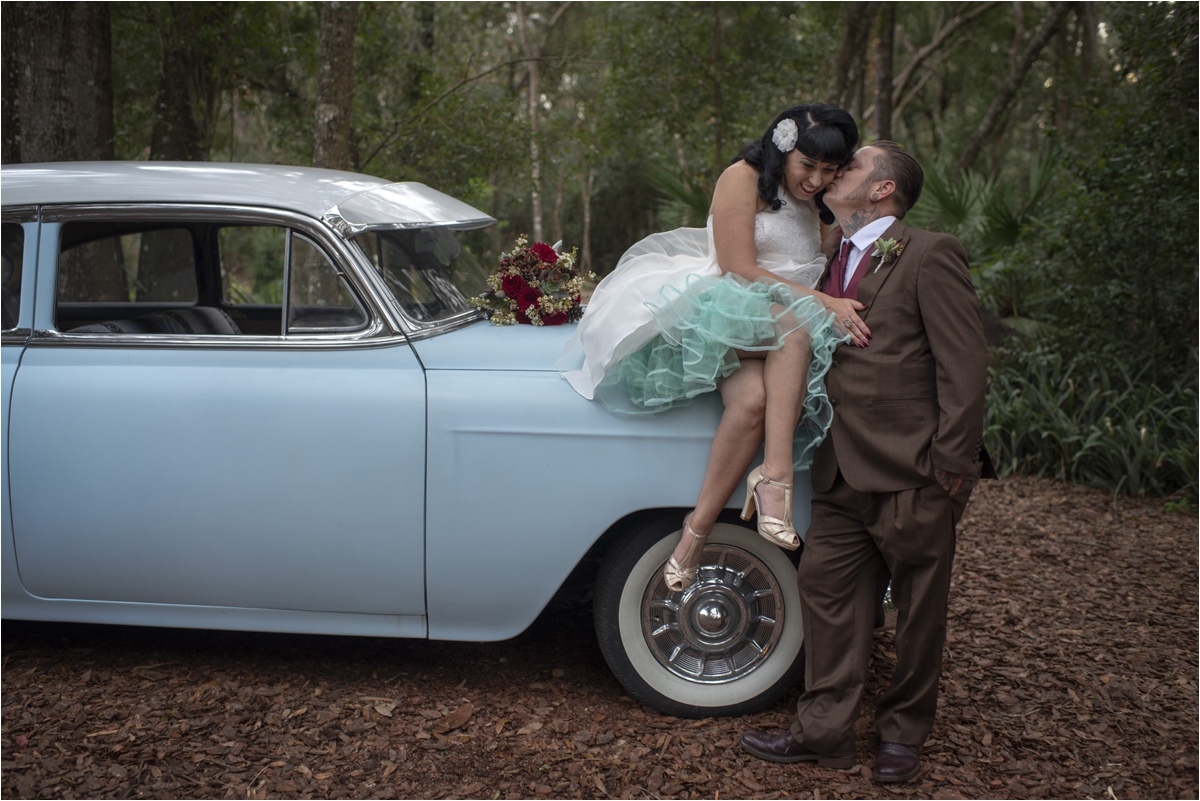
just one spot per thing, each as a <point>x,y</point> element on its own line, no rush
<point>365,201</point>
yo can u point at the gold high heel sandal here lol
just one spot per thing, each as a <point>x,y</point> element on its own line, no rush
<point>778,530</point>
<point>680,576</point>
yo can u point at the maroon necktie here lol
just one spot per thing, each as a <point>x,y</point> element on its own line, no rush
<point>837,272</point>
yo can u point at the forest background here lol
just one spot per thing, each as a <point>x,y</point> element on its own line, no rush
<point>1059,140</point>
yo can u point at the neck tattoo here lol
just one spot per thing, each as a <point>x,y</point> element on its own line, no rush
<point>859,219</point>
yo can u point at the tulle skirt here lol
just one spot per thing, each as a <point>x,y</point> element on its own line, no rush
<point>666,326</point>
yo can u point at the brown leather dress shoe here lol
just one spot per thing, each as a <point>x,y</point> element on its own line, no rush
<point>782,748</point>
<point>896,763</point>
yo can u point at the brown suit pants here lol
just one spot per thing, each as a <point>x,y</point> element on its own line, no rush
<point>855,541</point>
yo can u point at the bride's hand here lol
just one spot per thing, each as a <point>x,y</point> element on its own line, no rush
<point>846,310</point>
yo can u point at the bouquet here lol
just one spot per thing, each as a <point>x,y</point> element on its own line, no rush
<point>535,285</point>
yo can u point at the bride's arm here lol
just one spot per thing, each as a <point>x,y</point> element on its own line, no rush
<point>734,205</point>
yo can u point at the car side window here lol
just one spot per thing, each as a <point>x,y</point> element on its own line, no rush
<point>129,267</point>
<point>115,273</point>
<point>253,259</point>
<point>13,254</point>
<point>318,297</point>
<point>200,276</point>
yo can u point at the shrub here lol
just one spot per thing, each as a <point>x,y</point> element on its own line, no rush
<point>1094,422</point>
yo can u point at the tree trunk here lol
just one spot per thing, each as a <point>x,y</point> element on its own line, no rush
<point>418,69</point>
<point>185,119</point>
<point>12,20</point>
<point>58,106</point>
<point>994,116</point>
<point>939,40</point>
<point>884,50</point>
<point>1014,48</point>
<point>189,92</point>
<point>58,98</point>
<point>851,63</point>
<point>560,196</point>
<point>535,156</point>
<point>585,252</point>
<point>337,23</point>
<point>714,60</point>
<point>1091,53</point>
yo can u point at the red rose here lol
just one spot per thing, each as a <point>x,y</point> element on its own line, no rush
<point>558,318</point>
<point>544,252</point>
<point>528,296</point>
<point>513,285</point>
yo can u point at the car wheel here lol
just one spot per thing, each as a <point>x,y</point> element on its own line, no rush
<point>730,644</point>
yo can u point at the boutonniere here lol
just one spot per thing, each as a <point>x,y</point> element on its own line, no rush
<point>888,250</point>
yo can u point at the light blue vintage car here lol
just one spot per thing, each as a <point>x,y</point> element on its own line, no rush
<point>256,397</point>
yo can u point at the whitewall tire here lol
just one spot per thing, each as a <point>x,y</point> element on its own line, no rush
<point>730,644</point>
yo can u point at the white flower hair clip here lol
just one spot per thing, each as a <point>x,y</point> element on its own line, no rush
<point>784,135</point>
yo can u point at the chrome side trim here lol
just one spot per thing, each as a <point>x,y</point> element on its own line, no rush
<point>15,336</point>
<point>377,336</point>
<point>170,211</point>
<point>19,214</point>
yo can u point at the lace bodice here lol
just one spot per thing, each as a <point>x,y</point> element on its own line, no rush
<point>793,231</point>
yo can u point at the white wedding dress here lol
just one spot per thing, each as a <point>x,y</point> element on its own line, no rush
<point>664,326</point>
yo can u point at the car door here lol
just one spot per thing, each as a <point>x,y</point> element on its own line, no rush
<point>253,446</point>
<point>19,238</point>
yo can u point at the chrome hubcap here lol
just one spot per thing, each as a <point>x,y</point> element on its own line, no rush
<point>722,627</point>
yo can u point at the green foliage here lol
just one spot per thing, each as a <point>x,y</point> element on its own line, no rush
<point>686,200</point>
<point>1104,283</point>
<point>1079,215</point>
<point>1094,422</point>
<point>993,217</point>
<point>1120,246</point>
<point>989,215</point>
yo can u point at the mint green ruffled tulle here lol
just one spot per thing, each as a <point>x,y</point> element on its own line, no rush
<point>703,324</point>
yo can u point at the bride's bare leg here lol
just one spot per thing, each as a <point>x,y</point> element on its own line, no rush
<point>735,444</point>
<point>763,398</point>
<point>785,377</point>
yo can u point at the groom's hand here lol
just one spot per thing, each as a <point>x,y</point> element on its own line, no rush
<point>951,482</point>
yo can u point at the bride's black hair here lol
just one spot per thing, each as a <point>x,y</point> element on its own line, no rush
<point>823,133</point>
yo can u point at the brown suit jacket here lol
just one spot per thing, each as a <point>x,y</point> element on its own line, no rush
<point>913,400</point>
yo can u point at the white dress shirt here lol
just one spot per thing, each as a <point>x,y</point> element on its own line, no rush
<point>863,242</point>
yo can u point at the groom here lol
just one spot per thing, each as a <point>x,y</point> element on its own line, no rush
<point>892,478</point>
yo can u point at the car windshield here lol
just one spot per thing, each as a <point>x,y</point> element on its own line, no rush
<point>431,271</point>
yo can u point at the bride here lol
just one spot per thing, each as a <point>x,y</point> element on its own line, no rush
<point>731,308</point>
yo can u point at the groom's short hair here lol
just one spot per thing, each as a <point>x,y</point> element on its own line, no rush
<point>895,164</point>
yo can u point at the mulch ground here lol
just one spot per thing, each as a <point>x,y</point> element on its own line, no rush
<point>1071,672</point>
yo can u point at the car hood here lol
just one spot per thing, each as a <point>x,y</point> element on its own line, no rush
<point>484,346</point>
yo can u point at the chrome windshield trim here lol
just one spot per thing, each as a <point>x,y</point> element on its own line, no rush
<point>416,329</point>
<point>428,330</point>
<point>347,229</point>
